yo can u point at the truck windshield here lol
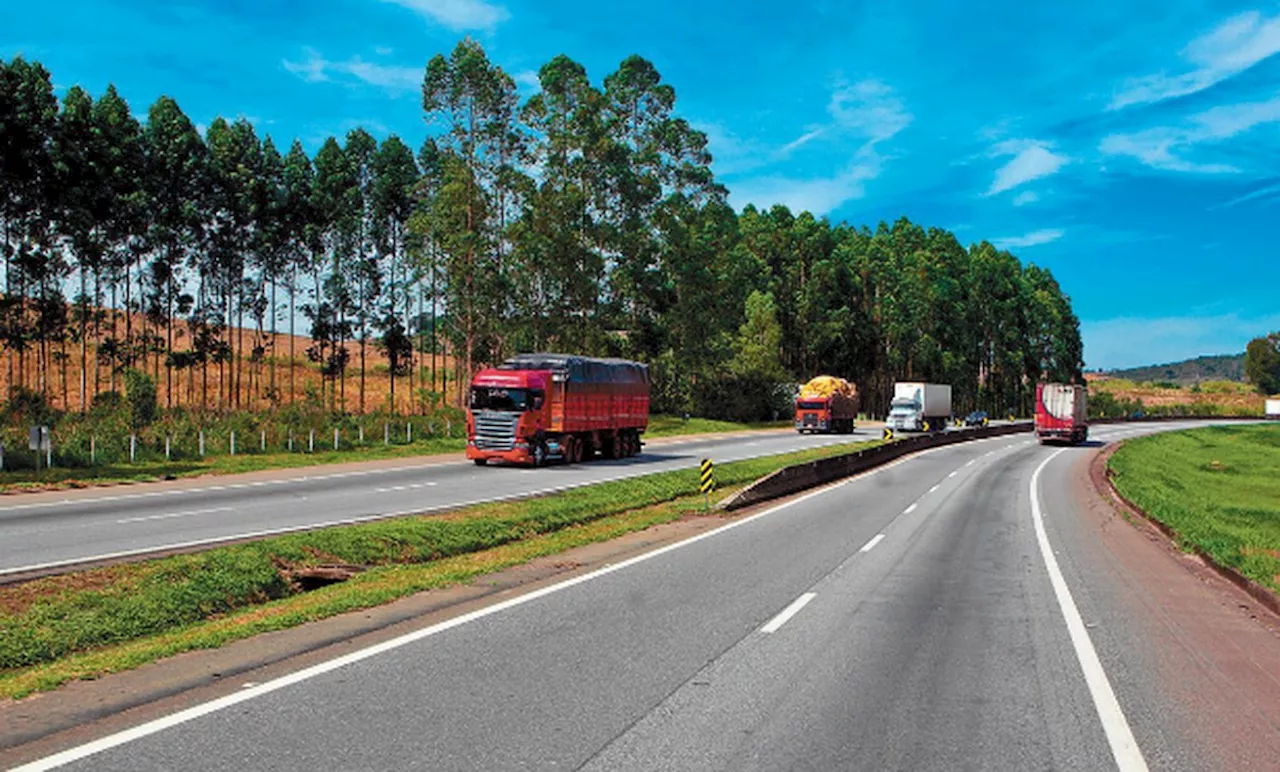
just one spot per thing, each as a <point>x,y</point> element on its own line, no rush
<point>904,404</point>
<point>811,405</point>
<point>498,398</point>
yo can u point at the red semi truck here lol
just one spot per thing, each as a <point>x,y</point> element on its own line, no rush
<point>536,407</point>
<point>1061,413</point>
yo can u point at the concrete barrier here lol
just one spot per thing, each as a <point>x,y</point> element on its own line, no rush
<point>799,477</point>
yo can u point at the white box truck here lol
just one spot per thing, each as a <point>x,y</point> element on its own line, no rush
<point>1273,409</point>
<point>919,407</point>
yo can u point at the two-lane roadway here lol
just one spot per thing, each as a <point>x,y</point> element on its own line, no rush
<point>945,612</point>
<point>39,530</point>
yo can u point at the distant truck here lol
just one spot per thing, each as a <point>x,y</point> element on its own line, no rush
<point>538,407</point>
<point>919,407</point>
<point>1273,409</point>
<point>1061,413</point>
<point>827,404</point>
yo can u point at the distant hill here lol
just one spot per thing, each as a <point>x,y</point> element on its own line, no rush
<point>1224,367</point>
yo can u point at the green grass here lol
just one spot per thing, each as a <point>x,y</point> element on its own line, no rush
<point>1218,488</point>
<point>149,471</point>
<point>673,426</point>
<point>84,624</point>
<point>252,461</point>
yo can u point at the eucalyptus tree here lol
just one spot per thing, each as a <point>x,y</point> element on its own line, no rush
<point>467,96</point>
<point>332,199</point>
<point>175,182</point>
<point>361,151</point>
<point>28,115</point>
<point>301,235</point>
<point>396,177</point>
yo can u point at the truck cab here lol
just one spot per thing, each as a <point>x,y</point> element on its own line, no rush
<point>905,415</point>
<point>508,414</point>
<point>813,414</point>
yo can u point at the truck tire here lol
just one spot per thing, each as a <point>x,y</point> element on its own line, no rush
<point>570,447</point>
<point>539,453</point>
<point>480,461</point>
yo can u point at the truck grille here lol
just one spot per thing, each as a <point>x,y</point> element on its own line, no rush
<point>496,431</point>
<point>810,419</point>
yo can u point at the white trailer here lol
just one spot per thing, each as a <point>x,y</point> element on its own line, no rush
<point>1273,409</point>
<point>919,407</point>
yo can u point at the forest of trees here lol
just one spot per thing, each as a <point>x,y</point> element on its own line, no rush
<point>584,218</point>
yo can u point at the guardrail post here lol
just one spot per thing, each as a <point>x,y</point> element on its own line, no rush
<point>335,439</point>
<point>202,443</point>
<point>233,442</point>
<point>311,442</point>
<point>167,456</point>
<point>133,443</point>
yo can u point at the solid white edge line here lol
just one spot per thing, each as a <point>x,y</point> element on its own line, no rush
<point>781,619</point>
<point>910,509</point>
<point>872,544</point>
<point>934,489</point>
<point>953,474</point>
<point>1124,748</point>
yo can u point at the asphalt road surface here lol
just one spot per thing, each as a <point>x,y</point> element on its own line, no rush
<point>51,528</point>
<point>941,613</point>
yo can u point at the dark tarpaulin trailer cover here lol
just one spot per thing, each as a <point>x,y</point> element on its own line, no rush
<point>582,369</point>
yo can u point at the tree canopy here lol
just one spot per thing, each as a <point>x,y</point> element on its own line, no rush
<point>584,218</point>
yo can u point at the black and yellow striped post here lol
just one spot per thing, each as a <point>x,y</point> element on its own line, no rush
<point>888,434</point>
<point>707,481</point>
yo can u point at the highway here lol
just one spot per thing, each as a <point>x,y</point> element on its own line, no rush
<point>949,611</point>
<point>50,528</point>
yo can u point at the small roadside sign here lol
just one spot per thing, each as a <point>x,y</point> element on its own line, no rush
<point>707,481</point>
<point>888,434</point>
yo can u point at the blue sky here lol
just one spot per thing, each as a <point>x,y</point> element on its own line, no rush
<point>1132,148</point>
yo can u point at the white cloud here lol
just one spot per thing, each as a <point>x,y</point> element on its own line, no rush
<point>869,109</point>
<point>1024,198</point>
<point>819,196</point>
<point>803,140</point>
<point>732,154</point>
<point>1232,47</point>
<point>1270,191</point>
<point>527,79</point>
<point>1134,342</point>
<point>392,78</point>
<point>1156,147</point>
<point>458,15</point>
<point>1032,159</point>
<point>383,50</point>
<point>1032,239</point>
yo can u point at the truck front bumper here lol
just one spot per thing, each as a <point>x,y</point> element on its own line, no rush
<point>517,455</point>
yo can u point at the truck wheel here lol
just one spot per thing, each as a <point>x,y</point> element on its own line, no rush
<point>579,450</point>
<point>570,447</point>
<point>539,452</point>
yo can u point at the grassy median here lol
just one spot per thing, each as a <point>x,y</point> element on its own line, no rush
<point>89,623</point>
<point>1218,488</point>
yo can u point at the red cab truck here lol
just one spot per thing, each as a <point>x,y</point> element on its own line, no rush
<point>538,407</point>
<point>826,404</point>
<point>1061,413</point>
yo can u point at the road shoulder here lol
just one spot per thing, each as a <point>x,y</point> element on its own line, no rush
<point>1215,651</point>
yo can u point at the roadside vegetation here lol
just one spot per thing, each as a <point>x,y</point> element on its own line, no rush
<point>243,272</point>
<point>1116,397</point>
<point>85,624</point>
<point>1218,488</point>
